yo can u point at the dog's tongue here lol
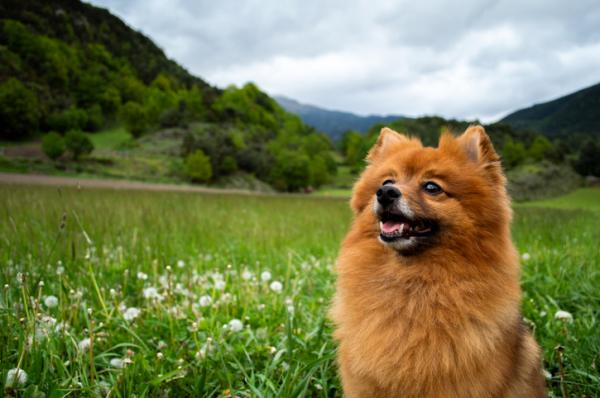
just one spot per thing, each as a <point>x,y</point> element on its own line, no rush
<point>389,227</point>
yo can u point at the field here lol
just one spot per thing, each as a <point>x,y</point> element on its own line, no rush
<point>119,293</point>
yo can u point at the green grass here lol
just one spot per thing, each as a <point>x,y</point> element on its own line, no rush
<point>109,139</point>
<point>584,198</point>
<point>89,247</point>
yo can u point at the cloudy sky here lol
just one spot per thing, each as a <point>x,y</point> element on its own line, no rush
<point>467,59</point>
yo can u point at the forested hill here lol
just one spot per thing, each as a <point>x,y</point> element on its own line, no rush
<point>576,113</point>
<point>77,23</point>
<point>68,67</point>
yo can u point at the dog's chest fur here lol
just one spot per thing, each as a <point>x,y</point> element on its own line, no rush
<point>422,331</point>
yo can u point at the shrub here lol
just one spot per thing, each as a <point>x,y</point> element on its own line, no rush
<point>197,167</point>
<point>78,144</point>
<point>134,118</point>
<point>95,118</point>
<point>541,180</point>
<point>69,119</point>
<point>19,110</point>
<point>53,145</point>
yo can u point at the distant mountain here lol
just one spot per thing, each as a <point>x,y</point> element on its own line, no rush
<point>574,113</point>
<point>334,123</point>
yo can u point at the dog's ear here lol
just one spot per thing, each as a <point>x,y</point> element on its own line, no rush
<point>387,138</point>
<point>477,145</point>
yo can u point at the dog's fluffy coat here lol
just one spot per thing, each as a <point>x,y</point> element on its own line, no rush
<point>445,320</point>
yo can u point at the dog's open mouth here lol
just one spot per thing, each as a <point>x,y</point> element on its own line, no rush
<point>396,226</point>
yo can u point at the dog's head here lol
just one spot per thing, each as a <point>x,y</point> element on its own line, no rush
<point>420,197</point>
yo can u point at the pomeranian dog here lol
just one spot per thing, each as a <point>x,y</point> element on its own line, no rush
<point>428,296</point>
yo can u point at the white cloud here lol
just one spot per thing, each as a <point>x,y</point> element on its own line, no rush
<point>476,60</point>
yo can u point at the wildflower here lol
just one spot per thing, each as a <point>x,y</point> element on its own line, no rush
<point>290,309</point>
<point>219,284</point>
<point>246,275</point>
<point>276,286</point>
<point>131,313</point>
<point>16,377</point>
<point>547,374</point>
<point>142,276</point>
<point>151,293</point>
<point>84,344</point>
<point>51,301</point>
<point>226,298</point>
<point>205,301</point>
<point>180,264</point>
<point>159,355</point>
<point>525,256</point>
<point>235,325</point>
<point>265,276</point>
<point>161,345</point>
<point>120,363</point>
<point>564,316</point>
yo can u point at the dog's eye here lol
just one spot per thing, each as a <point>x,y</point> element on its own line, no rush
<point>388,182</point>
<point>432,188</point>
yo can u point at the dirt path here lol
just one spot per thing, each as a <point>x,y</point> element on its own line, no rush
<point>62,181</point>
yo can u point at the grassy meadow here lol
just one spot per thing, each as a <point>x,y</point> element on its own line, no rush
<point>122,293</point>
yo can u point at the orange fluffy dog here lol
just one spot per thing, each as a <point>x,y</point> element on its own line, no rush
<point>428,296</point>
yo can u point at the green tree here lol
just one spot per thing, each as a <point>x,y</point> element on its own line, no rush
<point>95,118</point>
<point>318,172</point>
<point>68,119</point>
<point>78,144</point>
<point>19,110</point>
<point>291,171</point>
<point>513,153</point>
<point>53,145</point>
<point>197,166</point>
<point>134,118</point>
<point>539,148</point>
<point>588,162</point>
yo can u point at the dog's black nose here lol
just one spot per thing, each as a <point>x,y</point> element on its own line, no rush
<point>387,194</point>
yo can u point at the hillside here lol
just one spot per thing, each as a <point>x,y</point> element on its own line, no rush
<point>334,123</point>
<point>576,113</point>
<point>69,67</point>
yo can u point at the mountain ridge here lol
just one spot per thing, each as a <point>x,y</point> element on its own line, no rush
<point>577,112</point>
<point>332,122</point>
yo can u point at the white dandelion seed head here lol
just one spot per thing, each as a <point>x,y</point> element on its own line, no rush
<point>205,301</point>
<point>142,276</point>
<point>235,325</point>
<point>51,301</point>
<point>265,276</point>
<point>246,275</point>
<point>120,363</point>
<point>151,293</point>
<point>131,313</point>
<point>525,256</point>
<point>563,316</point>
<point>220,284</point>
<point>547,374</point>
<point>276,286</point>
<point>16,377</point>
<point>60,270</point>
<point>84,344</point>
<point>180,264</point>
<point>159,355</point>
